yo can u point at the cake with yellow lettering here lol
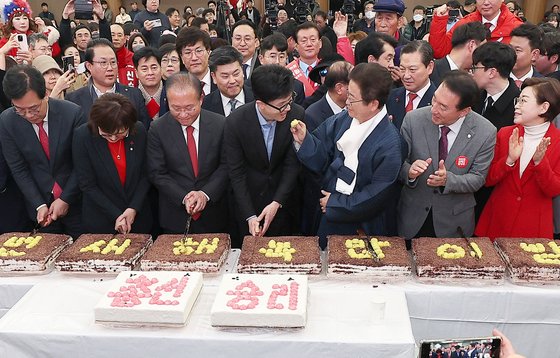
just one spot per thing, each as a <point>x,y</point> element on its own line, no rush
<point>281,254</point>
<point>382,259</point>
<point>198,252</point>
<point>450,259</point>
<point>531,260</point>
<point>20,252</point>
<point>104,253</point>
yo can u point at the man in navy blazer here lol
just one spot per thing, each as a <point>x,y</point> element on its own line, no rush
<point>416,66</point>
<point>359,154</point>
<point>101,62</point>
<point>227,73</point>
<point>185,161</point>
<point>36,135</point>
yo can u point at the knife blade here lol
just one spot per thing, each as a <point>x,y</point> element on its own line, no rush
<point>187,227</point>
<point>469,243</point>
<point>35,230</point>
<point>370,249</point>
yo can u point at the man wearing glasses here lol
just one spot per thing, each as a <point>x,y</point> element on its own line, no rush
<point>263,167</point>
<point>101,62</point>
<point>193,45</point>
<point>450,148</point>
<point>36,135</point>
<point>358,152</point>
<point>244,39</point>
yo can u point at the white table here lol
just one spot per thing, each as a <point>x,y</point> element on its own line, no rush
<point>58,320</point>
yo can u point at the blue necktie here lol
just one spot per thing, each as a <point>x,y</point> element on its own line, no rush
<point>269,138</point>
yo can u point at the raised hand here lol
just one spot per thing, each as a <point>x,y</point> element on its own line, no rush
<point>340,25</point>
<point>515,147</point>
<point>541,150</point>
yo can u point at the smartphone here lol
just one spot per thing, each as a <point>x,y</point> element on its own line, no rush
<point>68,64</point>
<point>83,10</point>
<point>22,41</point>
<point>485,347</point>
<point>156,22</point>
<point>454,13</point>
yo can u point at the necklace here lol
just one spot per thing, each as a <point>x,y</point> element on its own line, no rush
<point>121,143</point>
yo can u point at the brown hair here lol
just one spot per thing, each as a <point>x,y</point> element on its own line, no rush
<point>374,81</point>
<point>358,36</point>
<point>546,90</point>
<point>9,27</point>
<point>111,113</point>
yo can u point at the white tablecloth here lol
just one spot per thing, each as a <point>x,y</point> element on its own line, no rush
<point>58,320</point>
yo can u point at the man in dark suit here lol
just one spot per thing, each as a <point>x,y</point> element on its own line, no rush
<point>101,62</point>
<point>547,62</point>
<point>417,63</point>
<point>492,64</point>
<point>147,64</point>
<point>245,40</point>
<point>465,39</point>
<point>225,67</point>
<point>251,13</point>
<point>334,101</point>
<point>358,152</point>
<point>262,163</point>
<point>36,135</point>
<point>185,160</point>
<point>273,51</point>
<point>526,40</point>
<point>194,47</point>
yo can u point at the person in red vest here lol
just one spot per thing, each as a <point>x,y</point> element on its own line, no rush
<point>493,14</point>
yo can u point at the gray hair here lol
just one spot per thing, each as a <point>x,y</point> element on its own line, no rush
<point>183,81</point>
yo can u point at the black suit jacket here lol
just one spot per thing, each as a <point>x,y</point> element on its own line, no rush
<point>213,102</point>
<point>170,170</point>
<point>316,113</point>
<point>502,111</point>
<point>32,171</point>
<point>441,67</point>
<point>85,96</point>
<point>104,198</point>
<point>256,180</point>
<point>396,103</point>
<point>256,15</point>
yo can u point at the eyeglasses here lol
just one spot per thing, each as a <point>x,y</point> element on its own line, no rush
<point>105,64</point>
<point>33,110</point>
<point>519,101</point>
<point>474,68</point>
<point>284,107</point>
<point>246,39</point>
<point>199,52</point>
<point>118,135</point>
<point>171,60</point>
<point>277,58</point>
<point>350,101</point>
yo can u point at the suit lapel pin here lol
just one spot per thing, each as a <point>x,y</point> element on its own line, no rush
<point>469,136</point>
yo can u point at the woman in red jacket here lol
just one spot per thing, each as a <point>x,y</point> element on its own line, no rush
<point>526,167</point>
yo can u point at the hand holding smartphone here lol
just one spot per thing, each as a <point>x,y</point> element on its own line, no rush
<point>486,347</point>
<point>22,41</point>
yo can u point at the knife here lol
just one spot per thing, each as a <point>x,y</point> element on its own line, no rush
<point>371,250</point>
<point>35,230</point>
<point>187,227</point>
<point>469,244</point>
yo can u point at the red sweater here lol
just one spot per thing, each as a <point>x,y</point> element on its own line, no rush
<point>127,73</point>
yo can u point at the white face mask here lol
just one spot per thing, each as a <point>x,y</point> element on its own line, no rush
<point>369,15</point>
<point>418,17</point>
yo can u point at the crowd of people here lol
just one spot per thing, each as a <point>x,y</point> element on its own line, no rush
<point>256,125</point>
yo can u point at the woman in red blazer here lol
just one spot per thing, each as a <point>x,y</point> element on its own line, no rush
<point>525,170</point>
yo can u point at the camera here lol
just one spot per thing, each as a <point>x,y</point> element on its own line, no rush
<point>271,12</point>
<point>348,9</point>
<point>301,10</point>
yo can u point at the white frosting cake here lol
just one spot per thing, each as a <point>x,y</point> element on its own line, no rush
<point>261,301</point>
<point>155,298</point>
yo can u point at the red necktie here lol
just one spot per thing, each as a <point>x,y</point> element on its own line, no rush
<point>44,140</point>
<point>488,25</point>
<point>191,145</point>
<point>153,108</point>
<point>409,106</point>
<point>518,83</point>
